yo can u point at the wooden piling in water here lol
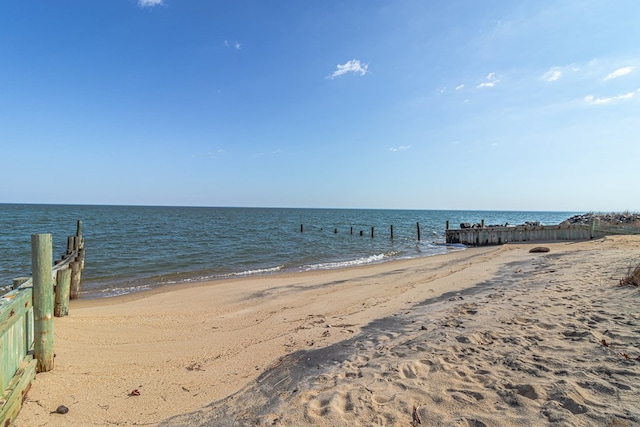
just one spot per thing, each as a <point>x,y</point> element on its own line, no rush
<point>80,244</point>
<point>372,232</point>
<point>71,242</point>
<point>418,227</point>
<point>41,260</point>
<point>76,243</point>
<point>392,231</point>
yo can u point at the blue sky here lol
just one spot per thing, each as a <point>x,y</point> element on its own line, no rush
<point>516,105</point>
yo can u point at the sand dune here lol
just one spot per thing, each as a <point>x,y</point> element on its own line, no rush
<point>485,337</point>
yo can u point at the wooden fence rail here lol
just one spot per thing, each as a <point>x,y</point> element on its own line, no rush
<point>26,319</point>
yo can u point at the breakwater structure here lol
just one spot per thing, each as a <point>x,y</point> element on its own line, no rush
<point>26,318</point>
<point>484,235</point>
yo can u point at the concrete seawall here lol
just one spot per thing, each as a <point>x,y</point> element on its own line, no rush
<point>483,236</point>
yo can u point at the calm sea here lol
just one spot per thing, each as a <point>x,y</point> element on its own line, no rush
<point>132,248</point>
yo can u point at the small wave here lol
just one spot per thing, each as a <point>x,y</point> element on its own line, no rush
<point>114,292</point>
<point>455,246</point>
<point>350,263</point>
<point>254,272</point>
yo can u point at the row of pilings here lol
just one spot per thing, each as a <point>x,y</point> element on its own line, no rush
<point>361,232</point>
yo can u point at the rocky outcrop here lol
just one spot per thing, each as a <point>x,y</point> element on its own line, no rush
<point>624,218</point>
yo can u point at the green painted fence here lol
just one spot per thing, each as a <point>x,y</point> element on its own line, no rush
<point>26,312</point>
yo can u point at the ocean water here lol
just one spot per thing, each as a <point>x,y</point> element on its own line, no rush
<point>132,248</point>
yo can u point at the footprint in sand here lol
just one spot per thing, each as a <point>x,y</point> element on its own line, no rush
<point>412,370</point>
<point>525,390</point>
<point>466,396</point>
<point>465,422</point>
<point>337,403</point>
<point>383,398</point>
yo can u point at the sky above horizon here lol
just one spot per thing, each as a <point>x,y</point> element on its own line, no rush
<point>402,104</point>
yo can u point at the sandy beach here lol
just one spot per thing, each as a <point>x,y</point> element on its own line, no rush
<point>492,336</point>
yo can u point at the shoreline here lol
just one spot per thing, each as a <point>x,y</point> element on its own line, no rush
<point>240,277</point>
<point>153,283</point>
<point>184,347</point>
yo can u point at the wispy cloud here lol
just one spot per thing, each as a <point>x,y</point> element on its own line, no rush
<point>552,75</point>
<point>208,154</point>
<point>400,148</point>
<point>353,66</point>
<point>491,81</point>
<point>234,44</point>
<point>619,73</point>
<point>460,87</point>
<point>149,3</point>
<point>592,100</point>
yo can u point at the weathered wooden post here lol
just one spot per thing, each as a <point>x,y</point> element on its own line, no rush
<point>301,228</point>
<point>335,231</point>
<point>76,276</point>
<point>41,259</point>
<point>351,229</point>
<point>77,265</point>
<point>63,288</point>
<point>392,231</point>
<point>418,227</point>
<point>482,223</point>
<point>19,281</point>
<point>371,231</point>
<point>80,244</point>
<point>71,244</point>
<point>447,225</point>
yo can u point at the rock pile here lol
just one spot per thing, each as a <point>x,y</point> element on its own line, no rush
<point>625,218</point>
<point>468,225</point>
<point>506,224</point>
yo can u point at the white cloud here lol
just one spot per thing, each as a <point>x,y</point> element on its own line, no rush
<point>619,73</point>
<point>459,87</point>
<point>592,100</point>
<point>400,148</point>
<point>354,66</point>
<point>149,3</point>
<point>234,44</point>
<point>491,81</point>
<point>552,75</point>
